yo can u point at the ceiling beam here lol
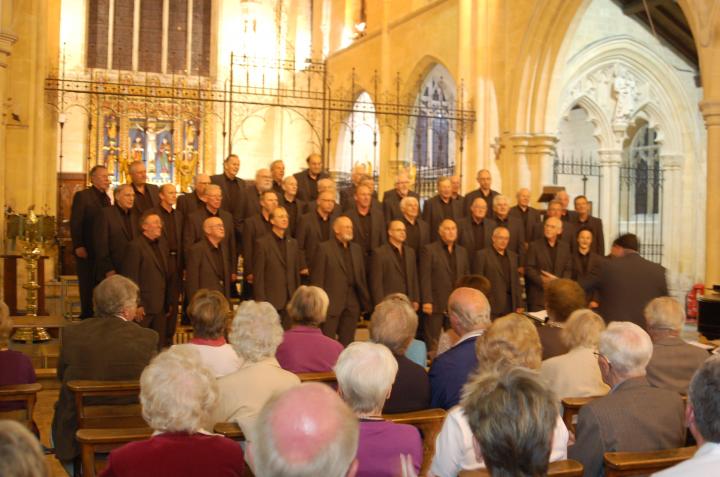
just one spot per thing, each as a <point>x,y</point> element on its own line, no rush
<point>636,6</point>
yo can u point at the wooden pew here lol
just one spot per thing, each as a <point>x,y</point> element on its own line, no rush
<point>229,430</point>
<point>428,422</point>
<point>561,468</point>
<point>21,392</point>
<point>324,377</point>
<point>95,441</point>
<point>107,416</point>
<point>620,464</point>
<point>571,407</point>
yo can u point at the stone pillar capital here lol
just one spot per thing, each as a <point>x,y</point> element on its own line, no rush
<point>710,110</point>
<point>519,143</point>
<point>543,143</point>
<point>610,157</point>
<point>7,40</point>
<point>670,162</point>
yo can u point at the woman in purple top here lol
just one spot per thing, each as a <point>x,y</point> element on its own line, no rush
<point>177,393</point>
<point>15,367</point>
<point>304,348</point>
<point>365,374</point>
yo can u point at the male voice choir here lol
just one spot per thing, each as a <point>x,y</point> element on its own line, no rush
<point>291,230</point>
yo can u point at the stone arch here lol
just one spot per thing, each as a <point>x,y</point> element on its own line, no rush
<point>603,128</point>
<point>359,136</point>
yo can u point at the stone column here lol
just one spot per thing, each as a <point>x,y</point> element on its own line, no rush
<point>517,172</point>
<point>711,112</point>
<point>609,160</point>
<point>7,40</point>
<point>541,152</point>
<point>671,174</point>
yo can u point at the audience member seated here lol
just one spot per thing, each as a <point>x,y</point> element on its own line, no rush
<point>109,347</point>
<point>703,418</point>
<point>304,348</point>
<point>448,338</point>
<point>673,361</point>
<point>512,417</point>
<point>417,350</point>
<point>307,431</point>
<point>255,335</point>
<point>634,416</point>
<point>511,341</point>
<point>20,452</point>
<point>365,373</point>
<point>15,367</point>
<point>576,373</point>
<point>176,393</point>
<point>209,312</point>
<point>394,324</point>
<point>562,297</point>
<point>469,313</point>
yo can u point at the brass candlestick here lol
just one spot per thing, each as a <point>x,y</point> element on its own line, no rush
<point>33,239</point>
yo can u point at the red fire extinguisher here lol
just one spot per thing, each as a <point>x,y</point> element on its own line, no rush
<point>691,301</point>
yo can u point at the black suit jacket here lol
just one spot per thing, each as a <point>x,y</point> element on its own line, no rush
<point>424,235</point>
<point>386,274</point>
<point>411,389</point>
<point>236,210</point>
<point>179,229</point>
<point>433,214</point>
<point>305,192</point>
<point>255,228</point>
<point>594,261</point>
<point>188,203</point>
<point>150,274</point>
<point>112,239</point>
<point>378,232</point>
<point>86,207</point>
<point>626,284</point>
<point>97,349</point>
<point>193,233</point>
<point>487,264</point>
<point>436,278</point>
<point>153,192</point>
<point>538,260</point>
<point>252,202</point>
<point>517,236</point>
<point>478,193</point>
<point>534,217</point>
<point>329,272</point>
<point>295,211</point>
<point>466,237</point>
<point>276,278</point>
<point>309,236</point>
<point>569,233</point>
<point>594,225</point>
<point>202,271</point>
<point>391,204</point>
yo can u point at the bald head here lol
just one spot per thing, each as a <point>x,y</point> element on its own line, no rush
<point>343,229</point>
<point>469,310</point>
<point>523,197</point>
<point>306,431</point>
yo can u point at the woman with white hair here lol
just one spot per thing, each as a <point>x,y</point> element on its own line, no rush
<point>673,361</point>
<point>304,348</point>
<point>365,374</point>
<point>176,393</point>
<point>255,334</point>
<point>21,454</point>
<point>511,341</point>
<point>576,373</point>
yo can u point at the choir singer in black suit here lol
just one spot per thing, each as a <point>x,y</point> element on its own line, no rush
<point>277,265</point>
<point>339,269</point>
<point>391,198</point>
<point>441,207</point>
<point>475,231</point>
<point>208,260</point>
<point>530,216</point>
<point>368,222</point>
<point>87,205</point>
<point>442,263</point>
<point>314,227</point>
<point>416,229</point>
<point>547,258</point>
<point>172,233</point>
<point>147,196</point>
<point>147,264</point>
<point>393,268</point>
<point>114,230</point>
<point>500,266</point>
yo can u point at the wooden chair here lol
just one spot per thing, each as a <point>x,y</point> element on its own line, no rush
<point>102,441</point>
<point>20,392</point>
<point>561,468</point>
<point>571,407</point>
<point>619,464</point>
<point>323,377</point>
<point>229,430</point>
<point>428,422</point>
<point>107,416</point>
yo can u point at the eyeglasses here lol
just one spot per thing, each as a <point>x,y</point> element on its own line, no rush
<point>600,355</point>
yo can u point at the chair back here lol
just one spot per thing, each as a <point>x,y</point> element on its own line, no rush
<point>560,468</point>
<point>24,393</point>
<point>229,430</point>
<point>620,464</point>
<point>428,422</point>
<point>107,404</point>
<point>571,407</point>
<point>95,441</point>
<point>322,377</point>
